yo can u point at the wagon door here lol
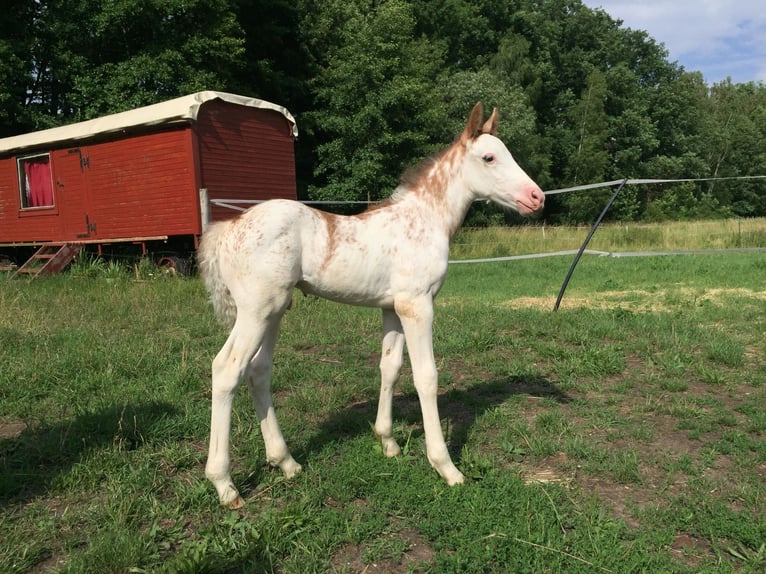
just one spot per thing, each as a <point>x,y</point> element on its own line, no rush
<point>71,177</point>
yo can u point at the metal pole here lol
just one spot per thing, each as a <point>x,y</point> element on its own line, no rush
<point>585,244</point>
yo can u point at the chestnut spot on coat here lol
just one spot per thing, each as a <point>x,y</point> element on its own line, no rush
<point>405,309</point>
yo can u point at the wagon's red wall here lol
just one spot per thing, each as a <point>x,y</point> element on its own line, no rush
<point>144,186</point>
<point>147,184</point>
<point>39,225</point>
<point>245,153</point>
<point>139,186</point>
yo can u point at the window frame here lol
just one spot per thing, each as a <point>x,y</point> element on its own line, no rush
<point>24,189</point>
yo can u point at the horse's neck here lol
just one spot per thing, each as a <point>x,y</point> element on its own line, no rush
<point>442,199</point>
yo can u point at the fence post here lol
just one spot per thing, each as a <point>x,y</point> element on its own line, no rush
<point>204,208</point>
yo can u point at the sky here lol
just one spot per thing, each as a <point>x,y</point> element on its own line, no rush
<point>720,38</point>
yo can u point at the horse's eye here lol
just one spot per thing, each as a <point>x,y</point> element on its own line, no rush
<point>489,158</point>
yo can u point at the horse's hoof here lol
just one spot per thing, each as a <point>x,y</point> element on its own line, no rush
<point>390,448</point>
<point>229,496</point>
<point>454,481</point>
<point>290,468</point>
<point>453,476</point>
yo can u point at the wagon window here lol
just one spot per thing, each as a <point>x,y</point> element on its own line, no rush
<point>35,184</point>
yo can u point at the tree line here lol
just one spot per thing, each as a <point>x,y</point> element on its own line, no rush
<point>377,85</point>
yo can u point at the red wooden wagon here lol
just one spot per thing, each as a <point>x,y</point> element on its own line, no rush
<point>151,177</point>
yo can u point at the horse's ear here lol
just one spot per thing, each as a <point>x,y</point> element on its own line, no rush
<point>473,128</point>
<point>490,126</point>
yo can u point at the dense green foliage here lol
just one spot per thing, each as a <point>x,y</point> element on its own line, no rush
<point>377,85</point>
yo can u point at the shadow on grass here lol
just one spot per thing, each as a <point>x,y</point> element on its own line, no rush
<point>31,460</point>
<point>459,406</point>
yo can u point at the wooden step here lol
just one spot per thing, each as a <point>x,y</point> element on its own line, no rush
<point>49,259</point>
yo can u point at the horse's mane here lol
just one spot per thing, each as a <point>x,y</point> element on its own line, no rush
<point>413,175</point>
<point>411,179</point>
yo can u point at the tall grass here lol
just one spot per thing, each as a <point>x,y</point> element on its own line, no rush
<point>679,236</point>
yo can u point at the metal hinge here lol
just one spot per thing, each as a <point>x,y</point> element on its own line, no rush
<point>84,159</point>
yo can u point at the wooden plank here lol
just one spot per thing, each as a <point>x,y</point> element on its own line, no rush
<point>245,155</point>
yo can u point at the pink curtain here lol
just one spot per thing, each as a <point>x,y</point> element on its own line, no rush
<point>38,172</point>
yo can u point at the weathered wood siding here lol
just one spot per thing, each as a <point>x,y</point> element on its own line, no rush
<point>245,153</point>
<point>146,183</point>
<point>144,186</point>
<point>140,186</point>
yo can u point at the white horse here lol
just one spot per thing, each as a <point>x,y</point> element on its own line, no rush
<point>392,256</point>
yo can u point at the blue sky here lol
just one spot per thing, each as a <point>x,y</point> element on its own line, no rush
<point>720,38</point>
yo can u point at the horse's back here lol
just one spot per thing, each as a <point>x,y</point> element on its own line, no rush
<point>264,244</point>
<point>271,226</point>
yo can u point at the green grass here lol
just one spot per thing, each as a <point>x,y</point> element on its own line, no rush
<point>624,433</point>
<point>680,236</point>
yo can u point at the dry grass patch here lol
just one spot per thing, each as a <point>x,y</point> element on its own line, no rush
<point>639,300</point>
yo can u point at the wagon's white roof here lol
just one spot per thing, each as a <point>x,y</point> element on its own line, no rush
<point>176,111</point>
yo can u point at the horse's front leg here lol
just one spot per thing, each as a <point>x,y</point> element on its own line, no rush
<point>416,315</point>
<point>390,364</point>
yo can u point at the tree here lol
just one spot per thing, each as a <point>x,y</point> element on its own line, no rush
<point>586,160</point>
<point>15,45</point>
<point>378,84</point>
<point>276,66</point>
<point>144,51</point>
<point>375,98</point>
<point>85,58</point>
<point>735,145</point>
<point>470,30</point>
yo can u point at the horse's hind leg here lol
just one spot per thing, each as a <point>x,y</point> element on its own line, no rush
<point>390,365</point>
<point>229,367</point>
<point>258,376</point>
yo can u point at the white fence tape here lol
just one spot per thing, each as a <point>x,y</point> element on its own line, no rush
<point>244,204</point>
<point>648,181</point>
<point>615,254</point>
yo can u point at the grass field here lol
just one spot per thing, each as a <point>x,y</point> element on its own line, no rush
<point>678,236</point>
<point>624,433</point>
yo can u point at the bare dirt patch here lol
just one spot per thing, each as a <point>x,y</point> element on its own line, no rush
<point>12,429</point>
<point>407,552</point>
<point>690,549</point>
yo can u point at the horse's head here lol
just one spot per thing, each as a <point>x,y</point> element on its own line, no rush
<point>490,170</point>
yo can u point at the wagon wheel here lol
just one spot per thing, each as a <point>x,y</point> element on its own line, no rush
<point>6,263</point>
<point>173,264</point>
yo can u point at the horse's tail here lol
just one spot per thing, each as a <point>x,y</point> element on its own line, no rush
<point>208,261</point>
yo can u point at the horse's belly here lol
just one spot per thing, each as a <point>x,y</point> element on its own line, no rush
<point>353,284</point>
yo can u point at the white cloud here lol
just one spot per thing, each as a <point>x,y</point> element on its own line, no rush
<point>720,38</point>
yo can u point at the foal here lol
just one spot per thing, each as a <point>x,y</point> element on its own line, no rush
<point>392,256</point>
